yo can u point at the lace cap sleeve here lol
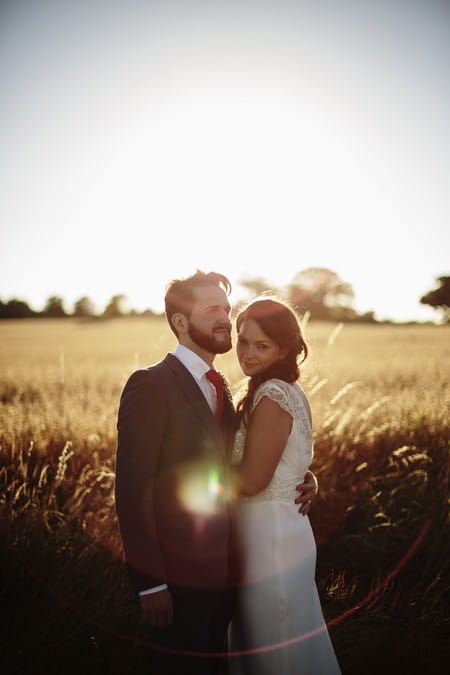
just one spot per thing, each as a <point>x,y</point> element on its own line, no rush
<point>279,392</point>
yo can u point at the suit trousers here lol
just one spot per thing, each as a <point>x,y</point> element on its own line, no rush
<point>196,642</point>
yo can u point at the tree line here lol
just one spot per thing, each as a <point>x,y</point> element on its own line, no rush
<point>318,291</point>
<point>83,308</point>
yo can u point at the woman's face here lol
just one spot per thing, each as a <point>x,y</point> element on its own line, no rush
<point>256,351</point>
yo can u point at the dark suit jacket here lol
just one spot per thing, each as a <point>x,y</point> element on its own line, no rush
<point>171,453</point>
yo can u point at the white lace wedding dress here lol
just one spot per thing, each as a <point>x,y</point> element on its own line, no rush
<point>278,627</point>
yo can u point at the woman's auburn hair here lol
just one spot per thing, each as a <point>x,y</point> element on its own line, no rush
<point>279,322</point>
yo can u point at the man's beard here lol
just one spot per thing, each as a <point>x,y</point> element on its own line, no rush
<point>212,344</point>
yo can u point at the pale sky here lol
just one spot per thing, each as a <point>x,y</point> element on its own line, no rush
<point>141,140</point>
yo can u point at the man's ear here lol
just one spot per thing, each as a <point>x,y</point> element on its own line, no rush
<point>180,322</point>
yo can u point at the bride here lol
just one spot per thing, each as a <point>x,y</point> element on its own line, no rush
<point>278,627</point>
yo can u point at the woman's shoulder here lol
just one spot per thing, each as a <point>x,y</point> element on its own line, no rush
<point>277,390</point>
<point>274,384</point>
<point>289,396</point>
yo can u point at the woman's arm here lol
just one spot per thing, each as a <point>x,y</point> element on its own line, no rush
<point>268,430</point>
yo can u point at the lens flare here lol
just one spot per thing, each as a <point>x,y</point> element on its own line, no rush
<point>200,489</point>
<point>215,488</point>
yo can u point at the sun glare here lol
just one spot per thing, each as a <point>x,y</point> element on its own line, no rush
<point>257,143</point>
<point>200,490</point>
<point>244,167</point>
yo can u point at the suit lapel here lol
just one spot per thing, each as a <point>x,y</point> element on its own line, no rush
<point>196,399</point>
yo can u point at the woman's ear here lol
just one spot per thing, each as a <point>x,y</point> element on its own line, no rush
<point>180,322</point>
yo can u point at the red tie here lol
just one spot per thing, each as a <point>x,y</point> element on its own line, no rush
<point>214,377</point>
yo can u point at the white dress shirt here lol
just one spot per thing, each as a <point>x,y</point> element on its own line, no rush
<point>198,369</point>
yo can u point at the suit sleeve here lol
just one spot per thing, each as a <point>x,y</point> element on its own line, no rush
<point>141,424</point>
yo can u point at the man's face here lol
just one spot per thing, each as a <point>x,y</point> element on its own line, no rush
<point>209,323</point>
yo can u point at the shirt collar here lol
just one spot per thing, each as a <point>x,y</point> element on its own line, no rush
<point>190,360</point>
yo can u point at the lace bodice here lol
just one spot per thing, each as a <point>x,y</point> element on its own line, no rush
<point>298,451</point>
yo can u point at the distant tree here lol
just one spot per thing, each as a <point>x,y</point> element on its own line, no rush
<point>15,309</point>
<point>84,307</point>
<point>149,312</point>
<point>115,307</point>
<point>54,307</point>
<point>439,298</point>
<point>323,293</point>
<point>257,285</point>
<point>367,317</point>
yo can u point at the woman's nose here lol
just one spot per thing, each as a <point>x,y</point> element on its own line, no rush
<point>249,352</point>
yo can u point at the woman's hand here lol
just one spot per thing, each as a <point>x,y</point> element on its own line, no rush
<point>308,490</point>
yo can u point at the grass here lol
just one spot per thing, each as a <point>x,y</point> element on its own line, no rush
<point>380,402</point>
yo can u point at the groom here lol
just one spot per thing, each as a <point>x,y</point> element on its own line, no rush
<point>176,425</point>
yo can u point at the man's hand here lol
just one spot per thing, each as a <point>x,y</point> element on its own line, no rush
<point>308,490</point>
<point>157,608</point>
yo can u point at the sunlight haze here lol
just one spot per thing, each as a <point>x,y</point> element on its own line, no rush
<point>140,141</point>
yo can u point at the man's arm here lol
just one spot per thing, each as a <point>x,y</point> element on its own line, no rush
<point>141,424</point>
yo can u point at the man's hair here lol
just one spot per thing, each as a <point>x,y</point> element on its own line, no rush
<point>180,296</point>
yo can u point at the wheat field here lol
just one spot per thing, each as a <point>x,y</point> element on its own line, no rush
<point>380,401</point>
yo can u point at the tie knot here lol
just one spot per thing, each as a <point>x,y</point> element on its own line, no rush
<point>214,377</point>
